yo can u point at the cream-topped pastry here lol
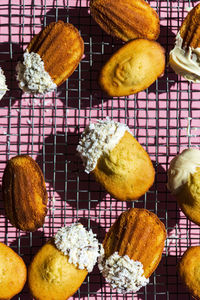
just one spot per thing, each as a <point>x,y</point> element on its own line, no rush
<point>61,265</point>
<point>185,61</point>
<point>185,57</point>
<point>116,159</point>
<point>122,273</point>
<point>50,58</point>
<point>80,245</point>
<point>184,182</point>
<point>3,86</point>
<point>133,248</point>
<point>181,166</point>
<point>99,139</point>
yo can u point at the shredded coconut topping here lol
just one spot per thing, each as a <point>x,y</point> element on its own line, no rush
<point>122,273</point>
<point>80,245</point>
<point>3,86</point>
<point>98,139</point>
<point>32,77</point>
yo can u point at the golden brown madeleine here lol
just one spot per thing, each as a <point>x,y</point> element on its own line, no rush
<point>61,48</point>
<point>24,193</point>
<point>13,273</point>
<point>50,58</point>
<point>190,28</point>
<point>133,68</point>
<point>139,234</point>
<point>184,57</point>
<point>133,249</point>
<point>126,19</point>
<point>184,182</point>
<point>51,276</point>
<point>61,265</point>
<point>189,270</point>
<point>127,172</point>
<point>116,159</point>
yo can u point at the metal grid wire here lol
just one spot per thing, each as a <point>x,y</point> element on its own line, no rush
<point>164,118</point>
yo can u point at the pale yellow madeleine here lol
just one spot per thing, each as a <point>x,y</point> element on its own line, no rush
<point>127,171</point>
<point>133,68</point>
<point>189,270</point>
<point>51,276</point>
<point>13,272</point>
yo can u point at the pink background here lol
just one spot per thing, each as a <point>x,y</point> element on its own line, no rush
<point>164,118</point>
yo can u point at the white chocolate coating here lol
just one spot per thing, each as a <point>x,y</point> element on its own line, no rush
<point>185,62</point>
<point>181,166</point>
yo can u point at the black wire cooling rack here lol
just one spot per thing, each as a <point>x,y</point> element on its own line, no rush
<point>164,118</point>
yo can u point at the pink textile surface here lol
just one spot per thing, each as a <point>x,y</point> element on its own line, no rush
<point>164,119</point>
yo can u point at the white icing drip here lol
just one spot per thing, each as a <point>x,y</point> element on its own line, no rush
<point>98,139</point>
<point>122,273</point>
<point>80,245</point>
<point>181,166</point>
<point>3,86</point>
<point>185,62</point>
<point>32,77</point>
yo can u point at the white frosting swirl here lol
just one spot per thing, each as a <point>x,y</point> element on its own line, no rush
<point>80,245</point>
<point>32,77</point>
<point>181,166</point>
<point>185,62</point>
<point>122,273</point>
<point>98,139</point>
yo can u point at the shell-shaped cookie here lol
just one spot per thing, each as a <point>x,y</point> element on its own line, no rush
<point>189,270</point>
<point>51,276</point>
<point>61,48</point>
<point>184,182</point>
<point>127,171</point>
<point>189,197</point>
<point>24,193</point>
<point>190,28</point>
<point>61,265</point>
<point>13,272</point>
<point>184,57</point>
<point>139,234</point>
<point>126,19</point>
<point>133,68</point>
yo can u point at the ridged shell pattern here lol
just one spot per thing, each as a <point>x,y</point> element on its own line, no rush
<point>126,19</point>
<point>61,48</point>
<point>190,29</point>
<point>24,193</point>
<point>139,234</point>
